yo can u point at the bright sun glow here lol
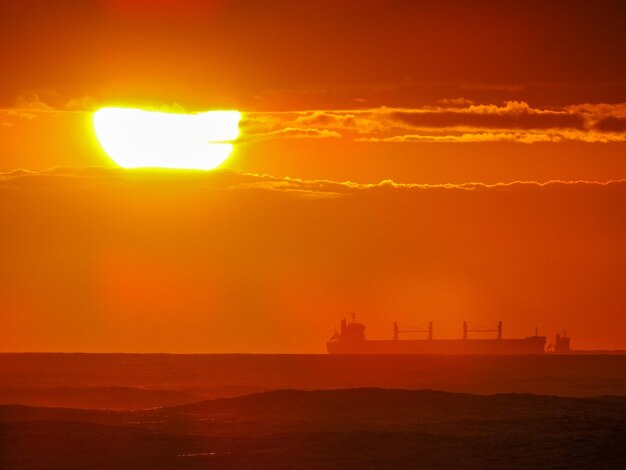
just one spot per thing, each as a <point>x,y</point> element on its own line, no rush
<point>135,138</point>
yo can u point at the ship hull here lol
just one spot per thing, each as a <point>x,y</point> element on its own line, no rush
<point>531,345</point>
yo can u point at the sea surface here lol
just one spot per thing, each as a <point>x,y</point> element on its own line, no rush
<point>206,376</point>
<point>136,411</point>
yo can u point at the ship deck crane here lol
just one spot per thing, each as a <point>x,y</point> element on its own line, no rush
<point>396,330</point>
<point>468,330</point>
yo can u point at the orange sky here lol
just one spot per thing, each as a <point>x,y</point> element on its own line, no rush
<point>431,96</point>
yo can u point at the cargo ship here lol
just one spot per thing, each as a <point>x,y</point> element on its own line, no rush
<point>350,339</point>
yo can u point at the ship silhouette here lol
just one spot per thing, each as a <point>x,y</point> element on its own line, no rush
<point>350,339</point>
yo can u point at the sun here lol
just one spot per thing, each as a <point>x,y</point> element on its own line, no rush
<point>136,138</point>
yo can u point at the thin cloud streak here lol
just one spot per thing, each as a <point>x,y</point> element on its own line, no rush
<point>80,178</point>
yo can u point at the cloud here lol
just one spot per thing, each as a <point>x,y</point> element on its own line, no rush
<point>76,178</point>
<point>82,103</point>
<point>326,119</point>
<point>512,116</point>
<point>455,102</point>
<point>523,137</point>
<point>28,107</point>
<point>291,133</point>
<point>612,124</point>
<point>458,120</point>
